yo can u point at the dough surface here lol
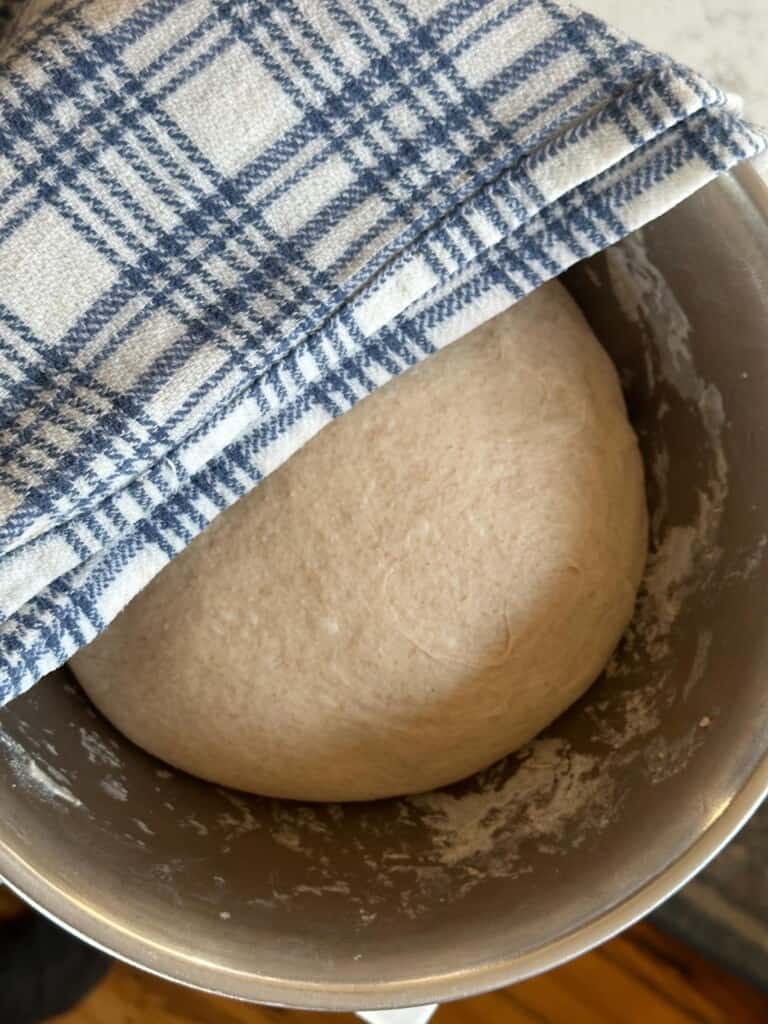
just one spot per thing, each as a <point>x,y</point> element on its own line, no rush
<point>417,592</point>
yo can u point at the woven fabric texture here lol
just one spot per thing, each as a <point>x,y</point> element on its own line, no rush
<point>223,223</point>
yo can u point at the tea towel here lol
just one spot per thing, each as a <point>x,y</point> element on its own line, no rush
<point>223,222</point>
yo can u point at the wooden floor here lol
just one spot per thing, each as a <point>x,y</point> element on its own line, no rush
<point>642,977</point>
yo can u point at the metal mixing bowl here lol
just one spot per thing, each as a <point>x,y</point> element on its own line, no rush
<point>414,901</point>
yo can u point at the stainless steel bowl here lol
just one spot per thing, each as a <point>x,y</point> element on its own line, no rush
<point>413,901</point>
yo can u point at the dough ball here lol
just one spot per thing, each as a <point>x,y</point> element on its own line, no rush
<point>417,592</point>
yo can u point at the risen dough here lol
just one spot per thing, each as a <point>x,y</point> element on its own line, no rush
<point>421,589</point>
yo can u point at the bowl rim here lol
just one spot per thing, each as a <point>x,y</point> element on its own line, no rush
<point>88,924</point>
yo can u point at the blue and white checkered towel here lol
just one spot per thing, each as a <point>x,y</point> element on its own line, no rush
<point>222,222</point>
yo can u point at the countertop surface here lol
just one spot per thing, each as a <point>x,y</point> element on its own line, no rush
<point>724,39</point>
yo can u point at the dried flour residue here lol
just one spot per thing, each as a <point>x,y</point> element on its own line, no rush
<point>98,751</point>
<point>679,552</point>
<point>550,794</point>
<point>551,785</point>
<point>114,787</point>
<point>46,783</point>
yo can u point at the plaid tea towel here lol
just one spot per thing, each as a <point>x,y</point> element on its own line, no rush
<point>223,222</point>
